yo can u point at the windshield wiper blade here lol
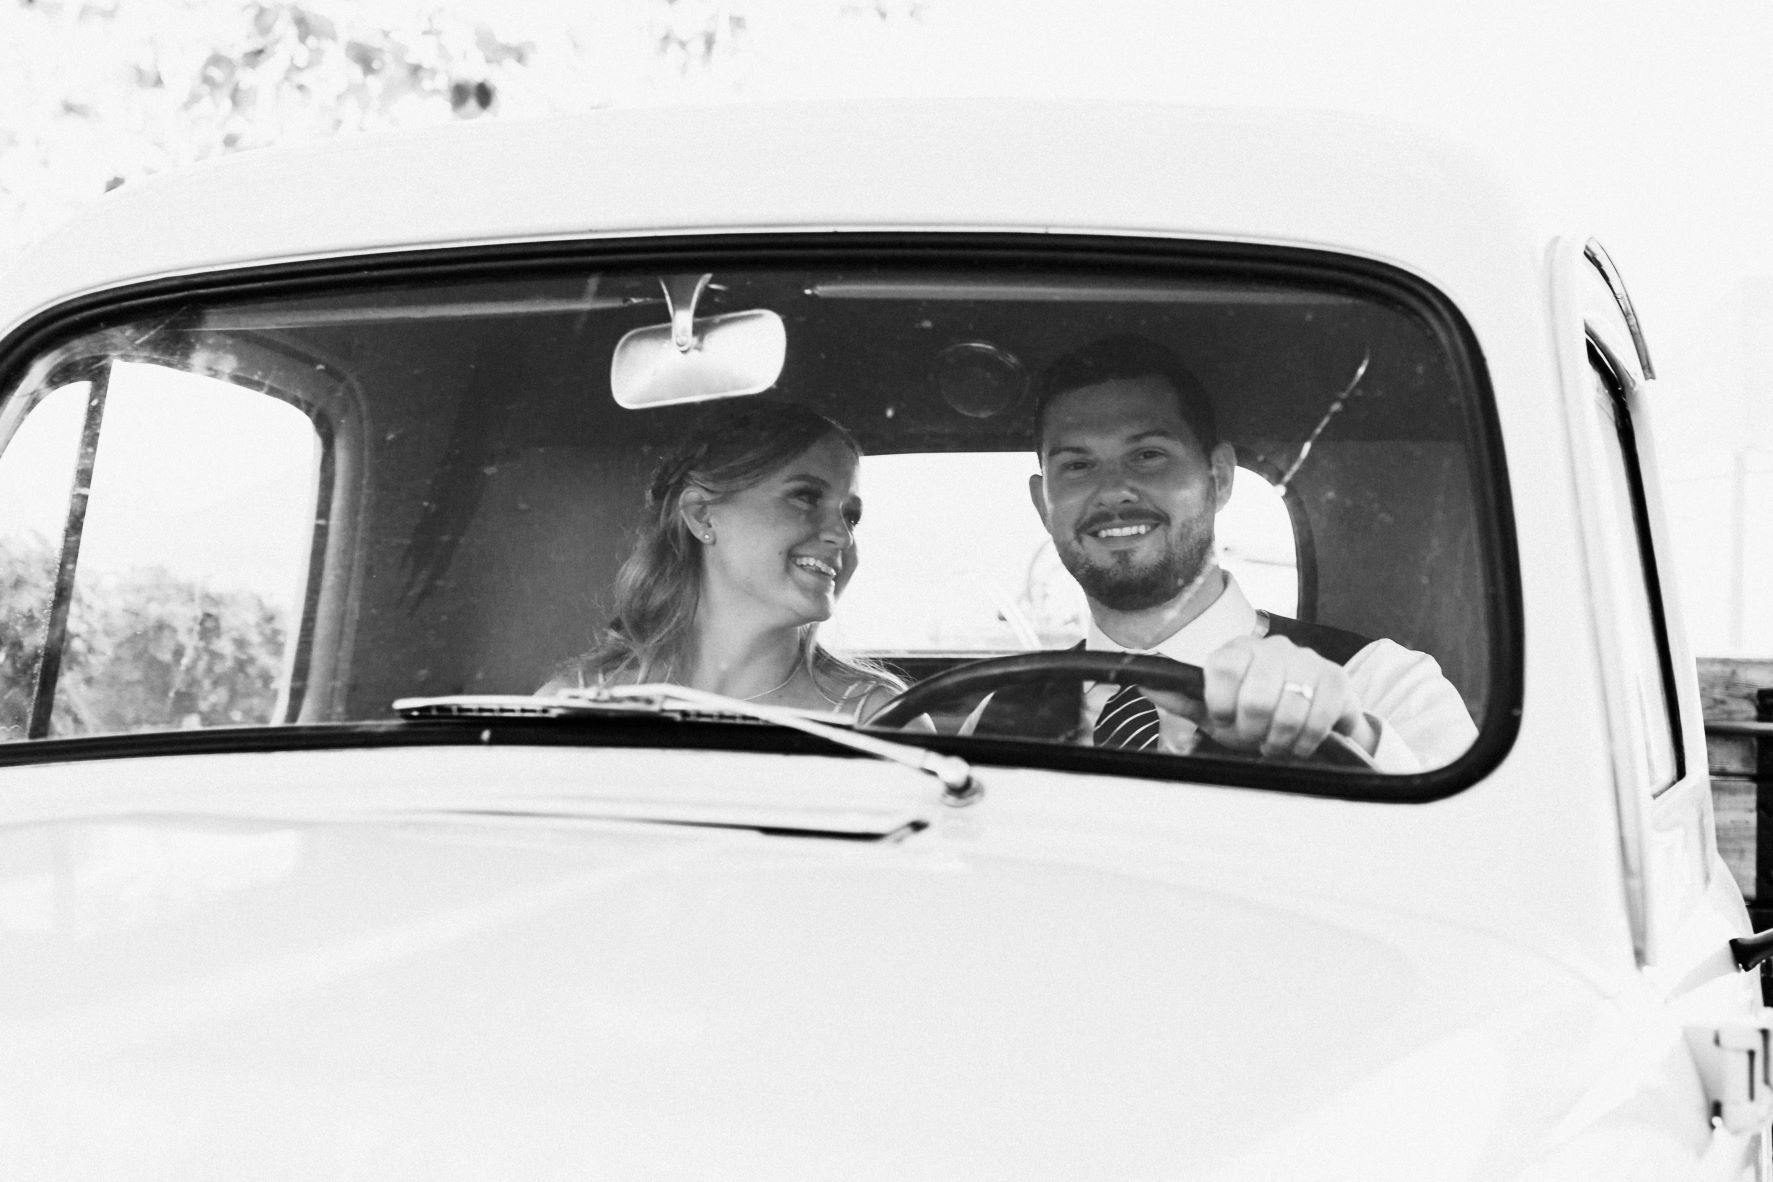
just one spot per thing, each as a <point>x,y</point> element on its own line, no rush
<point>959,785</point>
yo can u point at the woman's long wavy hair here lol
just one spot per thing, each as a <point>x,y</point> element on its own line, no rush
<point>726,450</point>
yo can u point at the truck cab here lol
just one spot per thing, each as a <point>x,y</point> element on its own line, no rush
<point>329,846</point>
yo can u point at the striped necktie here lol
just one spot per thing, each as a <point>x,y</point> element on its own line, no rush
<point>1128,720</point>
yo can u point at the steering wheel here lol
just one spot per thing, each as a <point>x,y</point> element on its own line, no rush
<point>1159,673</point>
<point>995,673</point>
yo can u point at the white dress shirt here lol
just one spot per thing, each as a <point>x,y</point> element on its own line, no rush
<point>1419,717</point>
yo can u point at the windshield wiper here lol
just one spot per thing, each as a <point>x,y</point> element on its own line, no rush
<point>959,785</point>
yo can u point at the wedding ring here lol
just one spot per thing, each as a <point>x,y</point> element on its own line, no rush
<point>1300,688</point>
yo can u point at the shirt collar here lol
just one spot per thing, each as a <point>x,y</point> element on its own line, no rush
<point>1226,618</point>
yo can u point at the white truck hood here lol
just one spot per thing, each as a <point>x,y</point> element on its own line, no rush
<point>207,993</point>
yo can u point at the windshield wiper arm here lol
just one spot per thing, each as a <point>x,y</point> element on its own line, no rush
<point>959,785</point>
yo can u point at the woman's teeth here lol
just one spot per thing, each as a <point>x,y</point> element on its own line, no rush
<point>813,564</point>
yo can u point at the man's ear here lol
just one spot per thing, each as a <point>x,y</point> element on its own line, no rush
<point>692,510</point>
<point>1224,462</point>
<point>1037,492</point>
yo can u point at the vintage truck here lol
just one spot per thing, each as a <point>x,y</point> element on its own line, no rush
<point>316,463</point>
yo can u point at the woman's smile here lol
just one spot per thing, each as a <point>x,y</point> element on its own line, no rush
<point>819,566</point>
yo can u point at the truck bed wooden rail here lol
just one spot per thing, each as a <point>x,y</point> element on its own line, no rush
<point>1738,702</point>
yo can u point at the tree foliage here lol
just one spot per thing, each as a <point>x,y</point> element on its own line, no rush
<point>27,571</point>
<point>94,93</point>
<point>97,92</point>
<point>145,650</point>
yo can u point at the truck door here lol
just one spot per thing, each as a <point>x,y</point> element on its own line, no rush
<point>1657,738</point>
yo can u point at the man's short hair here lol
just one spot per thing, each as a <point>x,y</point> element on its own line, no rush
<point>1126,357</point>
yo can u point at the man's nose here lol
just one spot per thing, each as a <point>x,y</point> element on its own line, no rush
<point>1116,485</point>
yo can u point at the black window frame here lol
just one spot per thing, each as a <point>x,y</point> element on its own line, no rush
<point>1607,366</point>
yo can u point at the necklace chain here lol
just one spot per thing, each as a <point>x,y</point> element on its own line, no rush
<point>793,672</point>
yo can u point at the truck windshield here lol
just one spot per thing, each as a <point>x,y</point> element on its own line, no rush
<point>262,509</point>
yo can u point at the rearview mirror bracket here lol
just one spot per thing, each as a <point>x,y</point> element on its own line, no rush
<point>682,294</point>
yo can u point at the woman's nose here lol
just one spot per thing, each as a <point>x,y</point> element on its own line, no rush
<point>837,529</point>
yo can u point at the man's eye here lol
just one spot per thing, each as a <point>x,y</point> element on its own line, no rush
<point>1074,466</point>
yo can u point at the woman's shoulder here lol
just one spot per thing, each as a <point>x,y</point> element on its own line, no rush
<point>867,697</point>
<point>584,672</point>
<point>860,691</point>
<point>566,677</point>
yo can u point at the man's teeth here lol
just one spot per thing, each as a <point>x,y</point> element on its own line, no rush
<point>814,564</point>
<point>1124,531</point>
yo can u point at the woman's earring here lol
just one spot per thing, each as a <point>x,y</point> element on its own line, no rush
<point>708,537</point>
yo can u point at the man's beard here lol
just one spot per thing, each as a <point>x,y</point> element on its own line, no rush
<point>1125,585</point>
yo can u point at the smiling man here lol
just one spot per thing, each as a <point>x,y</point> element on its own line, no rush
<point>1133,473</point>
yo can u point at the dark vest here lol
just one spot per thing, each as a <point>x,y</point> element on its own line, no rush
<point>1052,709</point>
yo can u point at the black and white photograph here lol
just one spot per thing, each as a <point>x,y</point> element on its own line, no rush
<point>886,590</point>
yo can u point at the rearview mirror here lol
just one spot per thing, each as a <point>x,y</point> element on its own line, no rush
<point>692,360</point>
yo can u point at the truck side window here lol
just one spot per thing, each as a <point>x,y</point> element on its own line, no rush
<point>1631,568</point>
<point>182,579</point>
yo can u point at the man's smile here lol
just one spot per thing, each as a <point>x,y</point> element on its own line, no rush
<point>1120,528</point>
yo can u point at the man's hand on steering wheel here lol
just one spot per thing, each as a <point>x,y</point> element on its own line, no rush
<point>1273,697</point>
<point>1268,696</point>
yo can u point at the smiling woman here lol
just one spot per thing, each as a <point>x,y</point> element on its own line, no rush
<point>750,537</point>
